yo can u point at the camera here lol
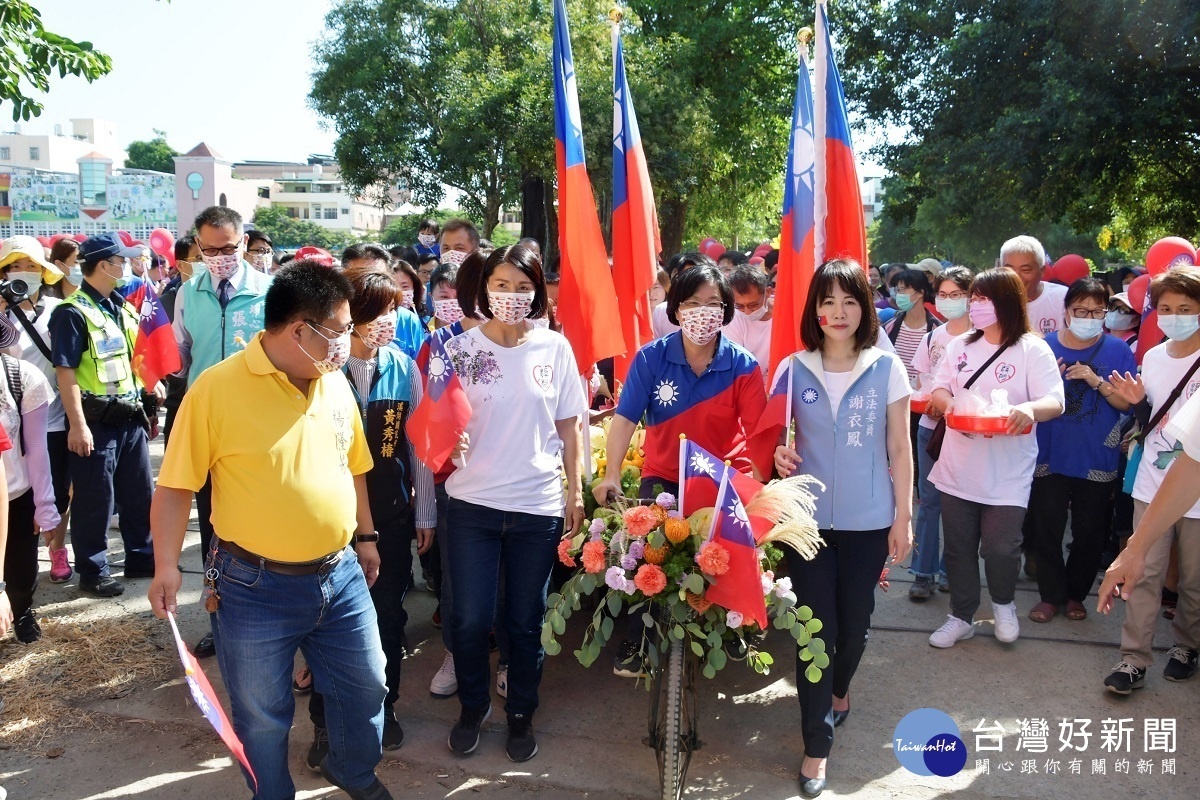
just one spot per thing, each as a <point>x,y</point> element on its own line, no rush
<point>14,291</point>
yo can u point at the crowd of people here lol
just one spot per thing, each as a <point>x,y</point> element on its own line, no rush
<point>300,376</point>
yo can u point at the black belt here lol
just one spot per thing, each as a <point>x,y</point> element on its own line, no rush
<point>282,567</point>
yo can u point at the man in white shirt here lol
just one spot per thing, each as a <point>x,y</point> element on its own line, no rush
<point>753,299</point>
<point>1025,256</point>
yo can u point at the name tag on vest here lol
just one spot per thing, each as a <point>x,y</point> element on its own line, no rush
<point>111,346</point>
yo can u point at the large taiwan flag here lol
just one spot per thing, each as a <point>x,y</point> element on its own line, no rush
<point>775,420</point>
<point>739,589</point>
<point>443,413</point>
<point>841,228</point>
<point>155,354</point>
<point>587,300</point>
<point>796,242</point>
<point>635,239</point>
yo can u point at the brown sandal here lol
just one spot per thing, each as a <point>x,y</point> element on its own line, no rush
<point>1043,612</point>
<point>1075,610</point>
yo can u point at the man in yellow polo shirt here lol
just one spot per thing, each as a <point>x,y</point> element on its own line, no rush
<point>278,428</point>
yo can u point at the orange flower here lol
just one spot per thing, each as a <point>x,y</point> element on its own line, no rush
<point>564,552</point>
<point>678,529</point>
<point>650,579</point>
<point>656,555</point>
<point>593,556</point>
<point>713,558</point>
<point>639,521</point>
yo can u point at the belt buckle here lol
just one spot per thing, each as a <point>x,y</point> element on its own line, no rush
<point>329,562</point>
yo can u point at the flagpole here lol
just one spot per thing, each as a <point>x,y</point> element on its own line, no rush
<point>682,470</point>
<point>587,435</point>
<point>720,502</point>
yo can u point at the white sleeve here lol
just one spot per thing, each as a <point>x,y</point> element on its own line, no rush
<point>1184,427</point>
<point>1042,368</point>
<point>920,360</point>
<point>898,387</point>
<point>572,401</point>
<point>883,342</point>
<point>943,378</point>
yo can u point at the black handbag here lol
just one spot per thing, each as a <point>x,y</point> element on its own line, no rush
<point>934,448</point>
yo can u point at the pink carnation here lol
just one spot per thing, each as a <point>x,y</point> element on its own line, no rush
<point>593,556</point>
<point>639,521</point>
<point>713,558</point>
<point>650,579</point>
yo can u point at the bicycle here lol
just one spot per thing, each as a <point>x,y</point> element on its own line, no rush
<point>672,719</point>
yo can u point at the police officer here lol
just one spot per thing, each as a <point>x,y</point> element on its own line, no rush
<point>92,336</point>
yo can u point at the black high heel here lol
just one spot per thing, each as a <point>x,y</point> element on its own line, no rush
<point>811,787</point>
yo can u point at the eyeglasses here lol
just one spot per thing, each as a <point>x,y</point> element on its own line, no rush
<point>258,251</point>
<point>1087,313</point>
<point>336,333</point>
<point>689,305</point>
<point>227,250</point>
<point>748,308</point>
<point>951,296</point>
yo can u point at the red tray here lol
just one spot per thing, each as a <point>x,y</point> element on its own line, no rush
<point>918,406</point>
<point>988,426</point>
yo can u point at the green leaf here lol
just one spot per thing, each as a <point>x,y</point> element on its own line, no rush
<point>767,658</point>
<point>677,632</point>
<point>694,583</point>
<point>547,634</point>
<point>816,646</point>
<point>552,648</point>
<point>695,630</point>
<point>804,613</point>
<point>606,628</point>
<point>717,658</point>
<point>802,637</point>
<point>821,660</point>
<point>697,649</point>
<point>812,674</point>
<point>553,599</point>
<point>814,626</point>
<point>614,603</point>
<point>709,671</point>
<point>806,655</point>
<point>647,620</point>
<point>558,623</point>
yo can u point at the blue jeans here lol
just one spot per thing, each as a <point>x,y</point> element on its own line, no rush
<point>263,618</point>
<point>483,542</point>
<point>926,562</point>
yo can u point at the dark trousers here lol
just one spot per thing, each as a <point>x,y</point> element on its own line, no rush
<point>116,474</point>
<point>387,595</point>
<point>21,554</point>
<point>485,543</point>
<point>60,473</point>
<point>839,586</point>
<point>204,515</point>
<point>972,531</point>
<point>1089,504</point>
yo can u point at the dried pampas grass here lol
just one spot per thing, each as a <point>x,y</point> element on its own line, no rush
<point>790,504</point>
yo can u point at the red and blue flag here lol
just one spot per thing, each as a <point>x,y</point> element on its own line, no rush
<point>443,413</point>
<point>739,589</point>
<point>700,477</point>
<point>635,239</point>
<point>841,228</point>
<point>775,419</point>
<point>155,354</point>
<point>796,243</point>
<point>587,300</point>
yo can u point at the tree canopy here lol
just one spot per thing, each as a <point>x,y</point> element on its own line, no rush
<point>154,154</point>
<point>289,232</point>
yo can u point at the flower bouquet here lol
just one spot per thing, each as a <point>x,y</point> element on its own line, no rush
<point>654,563</point>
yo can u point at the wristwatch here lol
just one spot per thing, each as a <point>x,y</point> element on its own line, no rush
<point>2,585</point>
<point>363,538</point>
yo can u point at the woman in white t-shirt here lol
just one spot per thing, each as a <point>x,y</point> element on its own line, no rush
<point>928,567</point>
<point>506,505</point>
<point>985,482</point>
<point>1175,295</point>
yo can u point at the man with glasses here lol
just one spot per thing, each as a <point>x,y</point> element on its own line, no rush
<point>216,313</point>
<point>261,250</point>
<point>298,576</point>
<point>92,336</point>
<point>751,327</point>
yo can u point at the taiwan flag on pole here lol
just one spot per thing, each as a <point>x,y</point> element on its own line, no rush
<point>841,227</point>
<point>739,589</point>
<point>796,262</point>
<point>587,299</point>
<point>206,700</point>
<point>776,418</point>
<point>634,220</point>
<point>443,413</point>
<point>155,354</point>
<point>700,477</point>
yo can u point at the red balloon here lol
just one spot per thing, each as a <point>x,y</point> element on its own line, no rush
<point>1149,335</point>
<point>54,239</point>
<point>1048,274</point>
<point>162,242</point>
<point>763,249</point>
<point>80,237</point>
<point>1138,289</point>
<point>44,241</point>
<point>1071,268</point>
<point>1164,254</point>
<point>715,250</point>
<point>126,237</point>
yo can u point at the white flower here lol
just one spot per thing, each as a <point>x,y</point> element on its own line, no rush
<point>767,583</point>
<point>783,586</point>
<point>733,619</point>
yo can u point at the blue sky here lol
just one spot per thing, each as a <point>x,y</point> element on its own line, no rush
<point>232,73</point>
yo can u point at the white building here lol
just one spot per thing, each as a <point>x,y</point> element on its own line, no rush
<point>58,151</point>
<point>315,192</point>
<point>872,196</point>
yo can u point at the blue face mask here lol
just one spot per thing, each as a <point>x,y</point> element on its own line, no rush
<point>1178,326</point>
<point>904,302</point>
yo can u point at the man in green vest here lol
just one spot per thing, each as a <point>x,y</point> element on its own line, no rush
<point>92,335</point>
<point>217,312</point>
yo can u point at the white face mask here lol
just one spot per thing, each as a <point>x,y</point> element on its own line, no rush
<point>32,279</point>
<point>223,267</point>
<point>701,325</point>
<point>407,298</point>
<point>448,311</point>
<point>757,314</point>
<point>951,307</point>
<point>75,275</point>
<point>510,307</point>
<point>1178,326</point>
<point>1086,328</point>
<point>377,332</point>
<point>454,257</point>
<point>426,239</point>
<point>335,357</point>
<point>1120,321</point>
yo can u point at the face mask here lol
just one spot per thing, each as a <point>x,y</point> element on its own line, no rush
<point>222,267</point>
<point>1119,321</point>
<point>126,273</point>
<point>448,311</point>
<point>1086,328</point>
<point>262,262</point>
<point>407,298</point>
<point>1178,326</point>
<point>335,357</point>
<point>757,314</point>
<point>426,239</point>
<point>951,308</point>
<point>75,275</point>
<point>510,307</point>
<point>32,279</point>
<point>378,332</point>
<point>904,302</point>
<point>701,325</point>
<point>983,313</point>
<point>454,257</point>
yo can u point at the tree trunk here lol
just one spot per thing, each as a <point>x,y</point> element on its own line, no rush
<point>552,254</point>
<point>533,211</point>
<point>672,214</point>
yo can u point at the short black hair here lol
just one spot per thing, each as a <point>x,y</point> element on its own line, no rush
<point>305,289</point>
<point>428,224</point>
<point>444,273</point>
<point>852,278</point>
<point>530,266</point>
<point>1087,289</point>
<point>459,224</point>
<point>259,236</point>
<point>743,280</point>
<point>286,258</point>
<point>404,253</point>
<point>687,282</point>
<point>735,257</point>
<point>183,246</point>
<point>425,259</point>
<point>366,250</point>
<point>553,279</point>
<point>219,217</point>
<point>528,240</point>
<point>913,279</point>
<point>770,261</point>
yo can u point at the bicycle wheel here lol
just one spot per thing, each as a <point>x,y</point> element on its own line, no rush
<point>673,746</point>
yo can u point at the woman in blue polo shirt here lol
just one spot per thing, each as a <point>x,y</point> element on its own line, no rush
<point>850,406</point>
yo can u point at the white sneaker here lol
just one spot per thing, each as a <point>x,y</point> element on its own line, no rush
<point>502,680</point>
<point>1007,626</point>
<point>444,683</point>
<point>954,630</point>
